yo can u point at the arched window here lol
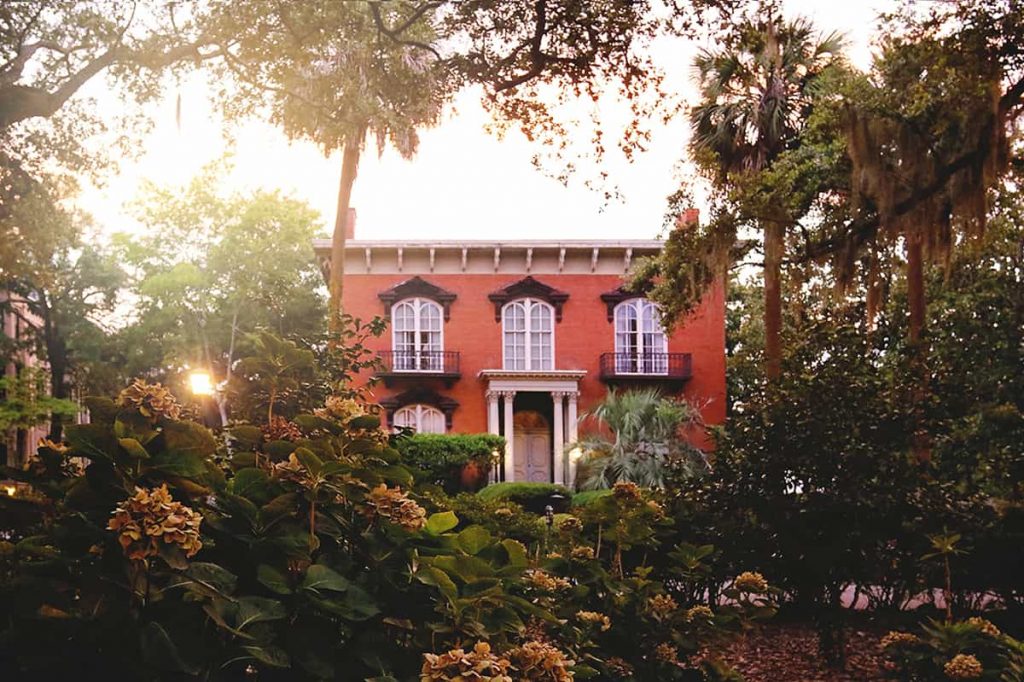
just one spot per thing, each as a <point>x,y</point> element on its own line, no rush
<point>529,337</point>
<point>640,344</point>
<point>420,418</point>
<point>417,336</point>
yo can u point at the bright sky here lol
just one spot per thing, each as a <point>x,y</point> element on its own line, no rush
<point>464,183</point>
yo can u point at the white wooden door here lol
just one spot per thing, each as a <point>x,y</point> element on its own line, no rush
<point>532,453</point>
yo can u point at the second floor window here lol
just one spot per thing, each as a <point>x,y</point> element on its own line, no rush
<point>417,336</point>
<point>529,337</point>
<point>640,344</point>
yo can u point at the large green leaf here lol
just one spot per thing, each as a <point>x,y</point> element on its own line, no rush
<point>257,610</point>
<point>273,579</point>
<point>187,438</point>
<point>310,461</point>
<point>271,655</point>
<point>320,577</point>
<point>474,539</point>
<point>428,575</point>
<point>213,576</point>
<point>133,448</point>
<point>93,441</point>
<point>442,522</point>
<point>252,484</point>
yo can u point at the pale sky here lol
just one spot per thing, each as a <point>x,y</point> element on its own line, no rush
<point>464,183</point>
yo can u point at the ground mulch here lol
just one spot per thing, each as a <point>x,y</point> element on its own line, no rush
<point>789,653</point>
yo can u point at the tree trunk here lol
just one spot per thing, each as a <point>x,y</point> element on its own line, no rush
<point>774,244</point>
<point>921,445</point>
<point>349,168</point>
<point>57,357</point>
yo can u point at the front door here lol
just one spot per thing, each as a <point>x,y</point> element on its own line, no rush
<point>531,448</point>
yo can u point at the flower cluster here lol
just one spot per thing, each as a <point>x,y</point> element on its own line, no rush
<point>751,581</point>
<point>544,581</point>
<point>291,470</point>
<point>541,662</point>
<point>699,614</point>
<point>570,524</point>
<point>503,512</point>
<point>458,665</point>
<point>662,606</point>
<point>963,667</point>
<point>583,553</point>
<point>896,638</point>
<point>280,428</point>
<point>340,409</point>
<point>655,508</point>
<point>595,618</point>
<point>150,517</point>
<point>151,400</point>
<point>626,491</point>
<point>666,653</point>
<point>395,507</point>
<point>986,626</point>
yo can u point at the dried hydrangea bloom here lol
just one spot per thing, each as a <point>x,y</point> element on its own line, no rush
<point>751,581</point>
<point>582,553</point>
<point>626,491</point>
<point>570,524</point>
<point>292,470</point>
<point>458,665</point>
<point>619,668</point>
<point>151,517</point>
<point>699,614</point>
<point>986,626</point>
<point>394,506</point>
<point>504,512</point>
<point>540,662</point>
<point>595,618</point>
<point>151,400</point>
<point>340,409</point>
<point>963,667</point>
<point>666,653</point>
<point>59,448</point>
<point>662,606</point>
<point>655,508</point>
<point>280,428</point>
<point>545,582</point>
<point>897,638</point>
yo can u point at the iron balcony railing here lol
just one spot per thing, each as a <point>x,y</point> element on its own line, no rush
<point>429,362</point>
<point>669,366</point>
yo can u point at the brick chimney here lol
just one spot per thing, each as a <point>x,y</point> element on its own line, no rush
<point>690,217</point>
<point>350,224</point>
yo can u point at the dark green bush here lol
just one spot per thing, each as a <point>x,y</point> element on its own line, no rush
<point>532,496</point>
<point>589,497</point>
<point>439,457</point>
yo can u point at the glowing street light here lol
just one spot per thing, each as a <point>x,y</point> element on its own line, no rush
<point>200,383</point>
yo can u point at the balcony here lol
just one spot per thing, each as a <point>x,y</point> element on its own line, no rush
<point>673,369</point>
<point>426,364</point>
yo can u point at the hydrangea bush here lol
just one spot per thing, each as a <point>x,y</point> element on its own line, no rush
<point>152,548</point>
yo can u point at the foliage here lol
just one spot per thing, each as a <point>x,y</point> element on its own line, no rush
<point>582,499</point>
<point>26,403</point>
<point>648,438</point>
<point>532,496</point>
<point>439,458</point>
<point>970,649</point>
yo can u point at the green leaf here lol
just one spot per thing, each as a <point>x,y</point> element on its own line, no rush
<point>320,577</point>
<point>516,552</point>
<point>257,610</point>
<point>367,422</point>
<point>271,655</point>
<point>94,441</point>
<point>252,484</point>
<point>245,435</point>
<point>474,539</point>
<point>133,448</point>
<point>189,439</point>
<point>213,576</point>
<point>310,461</point>
<point>428,575</point>
<point>273,579</point>
<point>442,522</point>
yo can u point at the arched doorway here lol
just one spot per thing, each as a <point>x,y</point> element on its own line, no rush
<point>531,447</point>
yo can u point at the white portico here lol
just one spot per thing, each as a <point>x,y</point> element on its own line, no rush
<point>530,453</point>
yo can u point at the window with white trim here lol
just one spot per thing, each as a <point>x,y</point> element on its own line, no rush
<point>529,335</point>
<point>417,335</point>
<point>420,418</point>
<point>640,343</point>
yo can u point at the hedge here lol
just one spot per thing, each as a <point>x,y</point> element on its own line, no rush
<point>589,497</point>
<point>439,457</point>
<point>532,496</point>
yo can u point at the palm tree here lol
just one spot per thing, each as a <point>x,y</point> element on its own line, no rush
<point>646,440</point>
<point>756,91</point>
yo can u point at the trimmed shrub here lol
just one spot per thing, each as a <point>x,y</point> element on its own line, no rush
<point>531,496</point>
<point>439,458</point>
<point>589,497</point>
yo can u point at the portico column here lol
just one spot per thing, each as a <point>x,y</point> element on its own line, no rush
<point>510,467</point>
<point>559,418</point>
<point>493,426</point>
<point>573,435</point>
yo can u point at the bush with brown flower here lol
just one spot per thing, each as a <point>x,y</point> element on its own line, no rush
<point>457,665</point>
<point>150,520</point>
<point>150,400</point>
<point>395,507</point>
